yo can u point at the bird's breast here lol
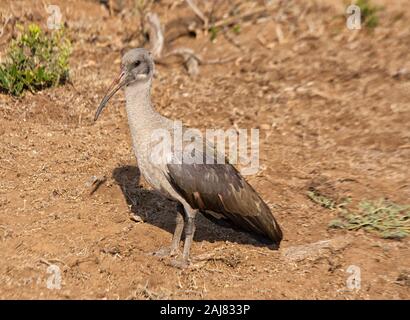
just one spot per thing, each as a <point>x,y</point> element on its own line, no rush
<point>154,173</point>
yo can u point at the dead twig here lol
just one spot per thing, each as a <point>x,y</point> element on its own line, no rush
<point>151,295</point>
<point>188,53</point>
<point>191,60</point>
<point>156,34</point>
<point>198,12</point>
<point>244,16</point>
<point>95,182</point>
<point>279,34</point>
<point>50,262</point>
<point>231,39</point>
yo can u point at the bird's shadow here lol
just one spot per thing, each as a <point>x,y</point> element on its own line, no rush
<point>157,210</point>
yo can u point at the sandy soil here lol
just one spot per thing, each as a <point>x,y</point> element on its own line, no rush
<point>332,106</point>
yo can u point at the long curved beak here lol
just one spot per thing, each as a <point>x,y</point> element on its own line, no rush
<point>116,85</point>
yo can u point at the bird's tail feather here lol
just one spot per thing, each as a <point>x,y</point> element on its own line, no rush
<point>263,225</point>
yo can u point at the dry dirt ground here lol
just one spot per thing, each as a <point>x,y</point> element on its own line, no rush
<point>332,106</point>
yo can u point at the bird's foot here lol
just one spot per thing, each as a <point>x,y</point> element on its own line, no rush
<point>179,263</point>
<point>166,252</point>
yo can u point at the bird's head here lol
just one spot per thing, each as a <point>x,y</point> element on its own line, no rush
<point>137,66</point>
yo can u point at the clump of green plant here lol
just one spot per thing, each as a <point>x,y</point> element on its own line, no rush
<point>236,28</point>
<point>387,219</point>
<point>213,32</point>
<point>322,200</point>
<point>368,13</point>
<point>35,60</point>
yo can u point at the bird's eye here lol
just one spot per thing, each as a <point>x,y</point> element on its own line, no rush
<point>136,64</point>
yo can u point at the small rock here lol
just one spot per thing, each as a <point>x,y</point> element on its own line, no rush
<point>315,250</point>
<point>112,250</point>
<point>404,278</point>
<point>135,217</point>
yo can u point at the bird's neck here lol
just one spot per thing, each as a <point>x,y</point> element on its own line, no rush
<point>138,101</point>
<point>141,115</point>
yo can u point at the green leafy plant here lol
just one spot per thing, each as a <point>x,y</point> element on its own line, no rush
<point>213,32</point>
<point>236,29</point>
<point>322,200</point>
<point>384,218</point>
<point>368,13</point>
<point>387,219</point>
<point>34,61</point>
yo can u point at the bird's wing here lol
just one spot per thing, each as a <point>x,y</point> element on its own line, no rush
<point>220,190</point>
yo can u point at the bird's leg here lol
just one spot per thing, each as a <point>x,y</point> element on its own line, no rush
<point>176,238</point>
<point>189,235</point>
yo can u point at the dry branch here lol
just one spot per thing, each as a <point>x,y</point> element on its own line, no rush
<point>191,60</point>
<point>198,12</point>
<point>156,34</point>
<point>244,16</point>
